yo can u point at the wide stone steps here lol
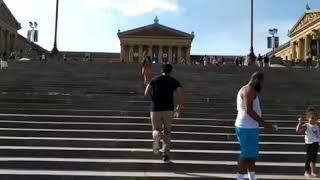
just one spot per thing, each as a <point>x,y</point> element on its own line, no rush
<point>90,121</point>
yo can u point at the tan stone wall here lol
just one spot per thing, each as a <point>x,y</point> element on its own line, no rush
<point>167,49</point>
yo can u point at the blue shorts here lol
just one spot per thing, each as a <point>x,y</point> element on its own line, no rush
<point>249,143</point>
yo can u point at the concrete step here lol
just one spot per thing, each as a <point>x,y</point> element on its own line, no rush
<point>132,126</point>
<point>126,107</point>
<point>94,175</point>
<point>145,113</point>
<point>100,120</point>
<point>130,166</point>
<point>133,134</point>
<point>122,153</point>
<point>142,143</point>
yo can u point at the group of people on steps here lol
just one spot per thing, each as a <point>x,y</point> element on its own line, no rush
<point>249,119</point>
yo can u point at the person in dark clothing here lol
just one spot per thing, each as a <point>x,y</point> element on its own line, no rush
<point>161,90</point>
<point>260,59</point>
<point>266,61</point>
<point>237,62</point>
<point>309,62</point>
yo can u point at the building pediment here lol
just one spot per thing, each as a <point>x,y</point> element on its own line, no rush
<point>7,17</point>
<point>155,30</point>
<point>308,18</point>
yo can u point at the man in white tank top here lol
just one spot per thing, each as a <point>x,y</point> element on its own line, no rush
<point>247,125</point>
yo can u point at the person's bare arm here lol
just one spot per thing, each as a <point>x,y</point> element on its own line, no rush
<point>180,96</point>
<point>148,92</point>
<point>249,95</point>
<point>301,127</point>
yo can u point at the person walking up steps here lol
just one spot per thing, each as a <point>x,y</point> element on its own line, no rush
<point>146,69</point>
<point>312,139</point>
<point>161,90</point>
<point>247,125</point>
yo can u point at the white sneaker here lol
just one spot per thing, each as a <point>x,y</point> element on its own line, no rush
<point>156,142</point>
<point>307,175</point>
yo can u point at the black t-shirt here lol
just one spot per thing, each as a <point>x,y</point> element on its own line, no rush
<point>163,89</point>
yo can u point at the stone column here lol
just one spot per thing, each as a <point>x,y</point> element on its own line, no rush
<point>179,56</point>
<point>294,50</point>
<point>6,40</point>
<point>307,47</point>
<point>1,40</point>
<point>14,42</point>
<point>131,53</point>
<point>160,54</point>
<point>298,49</point>
<point>122,53</point>
<point>140,53</point>
<point>188,58</point>
<point>170,54</point>
<point>150,52</point>
<point>10,42</point>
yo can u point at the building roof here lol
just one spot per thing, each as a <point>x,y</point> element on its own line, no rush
<point>280,48</point>
<point>31,44</point>
<point>304,20</point>
<point>156,30</point>
<point>7,16</point>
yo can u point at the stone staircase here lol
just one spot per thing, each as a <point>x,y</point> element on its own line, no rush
<point>90,121</point>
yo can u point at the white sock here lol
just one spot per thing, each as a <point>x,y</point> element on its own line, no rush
<point>252,175</point>
<point>156,134</point>
<point>240,176</point>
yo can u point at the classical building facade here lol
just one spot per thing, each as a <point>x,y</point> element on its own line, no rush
<point>161,43</point>
<point>9,27</point>
<point>303,35</point>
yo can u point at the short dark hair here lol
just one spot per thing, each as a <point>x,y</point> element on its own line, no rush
<point>257,76</point>
<point>167,68</point>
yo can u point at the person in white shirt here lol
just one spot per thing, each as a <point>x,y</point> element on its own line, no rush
<point>247,124</point>
<point>312,139</point>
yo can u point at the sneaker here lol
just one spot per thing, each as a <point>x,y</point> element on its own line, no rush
<point>156,142</point>
<point>308,175</point>
<point>166,159</point>
<point>314,175</point>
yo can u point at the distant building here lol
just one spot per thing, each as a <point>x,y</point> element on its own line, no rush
<point>161,43</point>
<point>303,34</point>
<point>11,41</point>
<point>9,27</point>
<point>91,56</point>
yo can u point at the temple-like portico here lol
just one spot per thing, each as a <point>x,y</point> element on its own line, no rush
<point>305,35</point>
<point>8,29</point>
<point>161,43</point>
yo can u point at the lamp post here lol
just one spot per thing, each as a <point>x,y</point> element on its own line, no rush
<point>273,32</point>
<point>251,56</point>
<point>55,50</point>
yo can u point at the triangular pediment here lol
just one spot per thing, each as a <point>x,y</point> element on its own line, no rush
<point>7,16</point>
<point>309,17</point>
<point>155,30</point>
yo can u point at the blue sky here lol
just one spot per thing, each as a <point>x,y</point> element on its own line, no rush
<point>220,26</point>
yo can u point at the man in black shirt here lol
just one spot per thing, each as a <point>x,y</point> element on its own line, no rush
<point>161,90</point>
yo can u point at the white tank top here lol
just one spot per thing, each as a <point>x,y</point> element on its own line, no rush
<point>312,134</point>
<point>243,119</point>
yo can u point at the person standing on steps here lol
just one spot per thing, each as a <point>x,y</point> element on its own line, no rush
<point>247,124</point>
<point>260,59</point>
<point>146,68</point>
<point>312,139</point>
<point>161,90</point>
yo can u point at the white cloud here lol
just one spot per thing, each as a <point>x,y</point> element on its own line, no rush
<point>135,7</point>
